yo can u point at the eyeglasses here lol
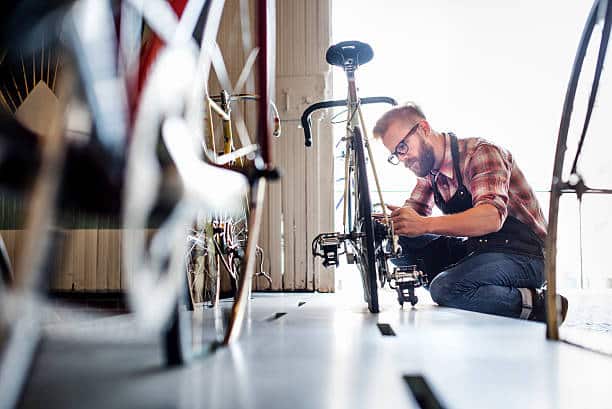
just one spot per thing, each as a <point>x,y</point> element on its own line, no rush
<point>402,147</point>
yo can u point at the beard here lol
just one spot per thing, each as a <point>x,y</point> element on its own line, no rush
<point>425,162</point>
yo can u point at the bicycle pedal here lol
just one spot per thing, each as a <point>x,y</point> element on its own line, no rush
<point>407,279</point>
<point>408,274</point>
<point>329,247</point>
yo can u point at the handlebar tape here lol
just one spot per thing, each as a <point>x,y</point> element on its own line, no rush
<point>306,122</point>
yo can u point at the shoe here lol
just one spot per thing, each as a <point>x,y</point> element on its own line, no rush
<point>538,312</point>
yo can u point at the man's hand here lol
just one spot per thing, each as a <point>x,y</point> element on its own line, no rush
<point>407,222</point>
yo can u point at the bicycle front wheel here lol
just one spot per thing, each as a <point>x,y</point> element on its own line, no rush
<point>364,246</point>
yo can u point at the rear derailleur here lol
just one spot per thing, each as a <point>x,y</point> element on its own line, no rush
<point>403,279</point>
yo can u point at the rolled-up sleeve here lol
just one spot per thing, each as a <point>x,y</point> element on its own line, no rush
<point>488,171</point>
<point>421,198</point>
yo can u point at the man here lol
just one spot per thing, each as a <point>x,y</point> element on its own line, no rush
<point>497,266</point>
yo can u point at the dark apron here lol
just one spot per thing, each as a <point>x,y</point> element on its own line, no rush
<point>514,237</point>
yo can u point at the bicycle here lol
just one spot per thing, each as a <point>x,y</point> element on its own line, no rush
<point>366,243</point>
<point>158,273</point>
<point>217,242</point>
<point>45,164</point>
<point>601,12</point>
<point>226,185</point>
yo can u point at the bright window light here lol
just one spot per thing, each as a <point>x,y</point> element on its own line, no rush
<point>496,70</point>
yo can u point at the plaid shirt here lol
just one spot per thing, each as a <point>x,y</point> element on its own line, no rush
<point>491,175</point>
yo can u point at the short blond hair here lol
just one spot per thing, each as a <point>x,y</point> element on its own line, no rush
<point>402,112</point>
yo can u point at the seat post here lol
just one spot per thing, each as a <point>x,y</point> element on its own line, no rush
<point>352,92</point>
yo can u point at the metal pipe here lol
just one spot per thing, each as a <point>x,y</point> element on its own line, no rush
<point>244,281</point>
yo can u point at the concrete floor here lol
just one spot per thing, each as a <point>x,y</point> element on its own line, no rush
<point>325,353</point>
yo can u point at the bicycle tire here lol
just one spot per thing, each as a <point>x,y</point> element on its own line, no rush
<point>550,269</point>
<point>366,260</point>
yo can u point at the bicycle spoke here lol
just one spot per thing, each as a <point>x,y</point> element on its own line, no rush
<point>246,70</point>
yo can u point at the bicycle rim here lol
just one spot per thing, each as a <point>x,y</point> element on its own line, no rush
<point>366,261</point>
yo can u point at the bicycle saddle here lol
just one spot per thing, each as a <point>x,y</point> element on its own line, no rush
<point>353,53</point>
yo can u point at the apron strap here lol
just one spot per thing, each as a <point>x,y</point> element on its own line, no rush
<point>455,154</point>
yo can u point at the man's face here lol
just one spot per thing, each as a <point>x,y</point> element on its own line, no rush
<point>410,146</point>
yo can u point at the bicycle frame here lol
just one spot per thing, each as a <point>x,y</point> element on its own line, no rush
<point>221,105</point>
<point>353,104</point>
<point>353,121</point>
<point>367,243</point>
<point>358,227</point>
<point>223,237</point>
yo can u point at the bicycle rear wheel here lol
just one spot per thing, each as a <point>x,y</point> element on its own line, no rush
<point>364,246</point>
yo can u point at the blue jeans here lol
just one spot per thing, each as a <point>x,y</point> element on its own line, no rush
<point>492,283</point>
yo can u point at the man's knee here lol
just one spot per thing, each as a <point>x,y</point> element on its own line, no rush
<point>441,289</point>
